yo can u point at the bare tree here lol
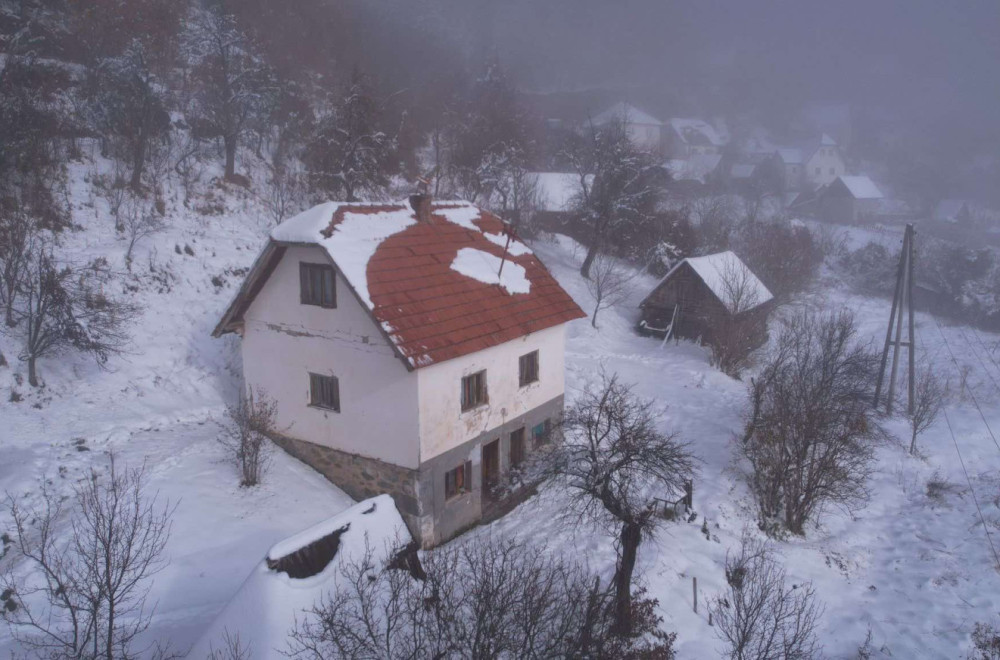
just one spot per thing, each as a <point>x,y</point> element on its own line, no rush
<point>17,235</point>
<point>350,154</point>
<point>810,433</point>
<point>236,85</point>
<point>619,185</point>
<point>738,332</point>
<point>930,397</point>
<point>247,435</point>
<point>760,617</point>
<point>487,598</point>
<point>715,220</point>
<point>94,581</point>
<point>66,307</point>
<point>609,283</point>
<point>615,460</point>
<point>232,648</point>
<point>985,642</point>
<point>129,105</point>
<point>139,221</point>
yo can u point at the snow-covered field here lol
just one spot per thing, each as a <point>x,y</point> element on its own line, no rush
<point>915,569</point>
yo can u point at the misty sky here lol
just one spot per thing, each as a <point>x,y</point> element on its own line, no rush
<point>930,60</point>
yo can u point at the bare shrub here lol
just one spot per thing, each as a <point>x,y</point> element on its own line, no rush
<point>985,642</point>
<point>138,221</point>
<point>609,283</point>
<point>759,616</point>
<point>737,334</point>
<point>247,435</point>
<point>615,460</point>
<point>810,433</point>
<point>715,220</point>
<point>85,593</point>
<point>785,257</point>
<point>930,396</point>
<point>232,648</point>
<point>487,598</point>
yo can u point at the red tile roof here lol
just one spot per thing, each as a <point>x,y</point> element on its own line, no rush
<point>433,313</point>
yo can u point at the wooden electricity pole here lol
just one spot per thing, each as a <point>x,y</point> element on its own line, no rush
<point>903,297</point>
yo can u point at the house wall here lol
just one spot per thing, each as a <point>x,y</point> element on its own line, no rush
<point>443,425</point>
<point>284,341</point>
<point>646,136</point>
<point>830,164</point>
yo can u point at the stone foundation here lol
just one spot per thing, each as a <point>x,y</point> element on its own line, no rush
<point>419,494</point>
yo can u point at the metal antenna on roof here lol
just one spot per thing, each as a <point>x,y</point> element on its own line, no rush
<point>508,229</point>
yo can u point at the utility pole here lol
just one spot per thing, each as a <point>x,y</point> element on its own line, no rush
<point>903,297</point>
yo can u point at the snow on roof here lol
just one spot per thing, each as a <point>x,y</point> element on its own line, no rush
<point>627,111</point>
<point>949,210</point>
<point>790,156</point>
<point>697,131</point>
<point>695,168</point>
<point>488,268</point>
<point>827,141</point>
<point>861,187</point>
<point>432,300</point>
<point>556,190</point>
<point>715,269</point>
<point>265,608</point>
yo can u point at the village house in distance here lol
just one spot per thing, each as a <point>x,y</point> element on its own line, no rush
<point>413,348</point>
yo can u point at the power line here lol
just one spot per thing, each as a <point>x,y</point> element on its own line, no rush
<point>961,461</point>
<point>989,353</point>
<point>967,388</point>
<point>975,354</point>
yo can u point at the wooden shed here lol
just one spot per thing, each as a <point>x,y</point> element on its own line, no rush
<point>708,297</point>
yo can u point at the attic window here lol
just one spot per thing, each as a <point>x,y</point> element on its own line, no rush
<point>311,559</point>
<point>317,285</point>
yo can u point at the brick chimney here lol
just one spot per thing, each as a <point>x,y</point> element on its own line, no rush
<point>421,205</point>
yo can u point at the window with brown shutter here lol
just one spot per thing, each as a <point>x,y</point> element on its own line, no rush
<point>317,285</point>
<point>474,390</point>
<point>528,367</point>
<point>324,392</point>
<point>458,481</point>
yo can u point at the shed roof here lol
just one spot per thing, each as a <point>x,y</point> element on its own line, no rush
<point>627,111</point>
<point>433,287</point>
<point>719,271</point>
<point>861,187</point>
<point>697,131</point>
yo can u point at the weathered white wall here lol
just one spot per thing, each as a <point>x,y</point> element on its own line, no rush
<point>825,158</point>
<point>284,340</point>
<point>443,425</point>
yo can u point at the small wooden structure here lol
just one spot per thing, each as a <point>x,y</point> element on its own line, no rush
<point>705,297</point>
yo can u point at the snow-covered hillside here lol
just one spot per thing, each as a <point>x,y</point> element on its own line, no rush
<point>914,566</point>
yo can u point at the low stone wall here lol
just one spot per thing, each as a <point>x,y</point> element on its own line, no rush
<point>358,476</point>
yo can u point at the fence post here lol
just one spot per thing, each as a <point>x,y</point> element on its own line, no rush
<point>694,588</point>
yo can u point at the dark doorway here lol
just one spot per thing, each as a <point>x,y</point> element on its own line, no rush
<point>491,468</point>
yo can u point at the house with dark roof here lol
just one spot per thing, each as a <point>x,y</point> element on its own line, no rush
<point>413,348</point>
<point>850,200</point>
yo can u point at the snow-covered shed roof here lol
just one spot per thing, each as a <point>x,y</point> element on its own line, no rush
<point>265,608</point>
<point>720,272</point>
<point>827,141</point>
<point>697,131</point>
<point>627,111</point>
<point>434,286</point>
<point>949,210</point>
<point>557,189</point>
<point>860,186</point>
<point>695,168</point>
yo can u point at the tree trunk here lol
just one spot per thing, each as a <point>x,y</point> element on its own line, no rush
<point>32,374</point>
<point>593,318</point>
<point>631,535</point>
<point>589,260</point>
<point>913,442</point>
<point>3,360</point>
<point>230,143</point>
<point>138,162</point>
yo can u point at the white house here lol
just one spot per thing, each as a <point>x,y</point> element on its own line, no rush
<point>643,128</point>
<point>815,164</point>
<point>693,137</point>
<point>413,348</point>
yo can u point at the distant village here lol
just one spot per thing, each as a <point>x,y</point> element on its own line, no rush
<point>811,172</point>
